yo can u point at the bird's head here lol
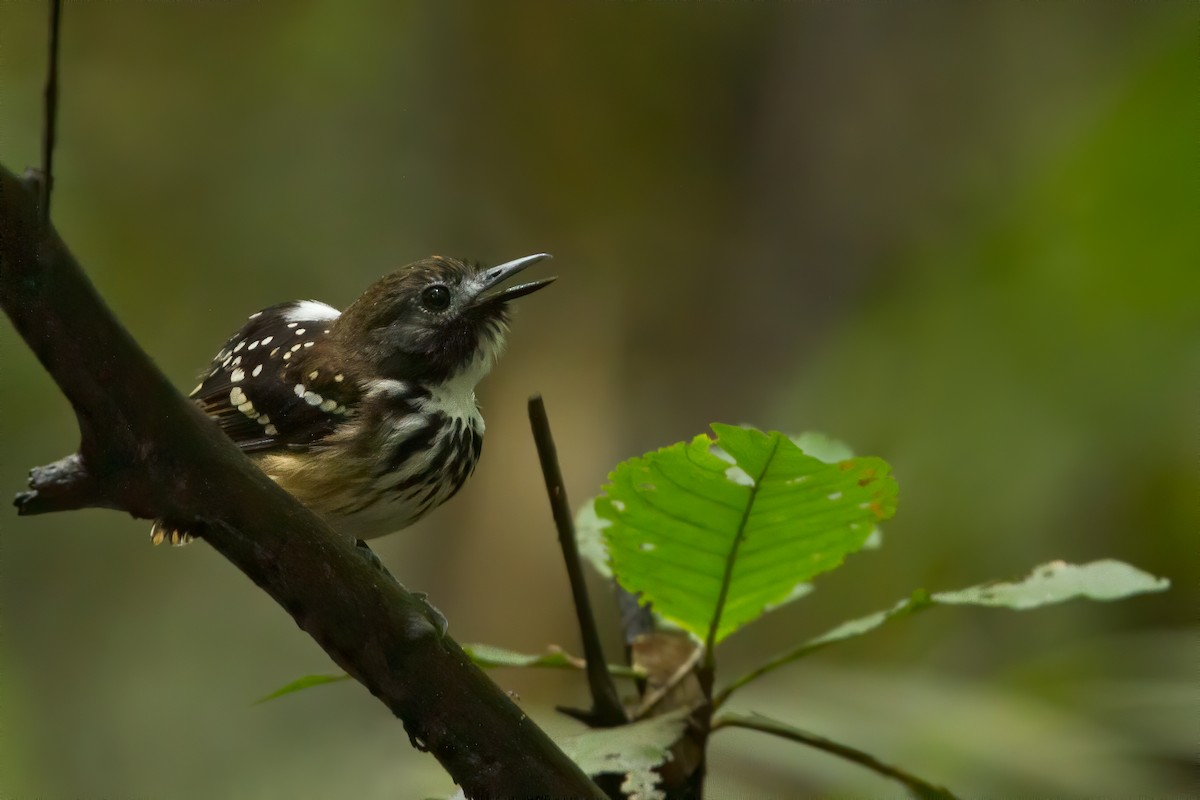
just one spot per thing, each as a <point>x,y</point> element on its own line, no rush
<point>434,319</point>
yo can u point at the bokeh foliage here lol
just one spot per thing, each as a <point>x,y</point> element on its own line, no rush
<point>960,237</point>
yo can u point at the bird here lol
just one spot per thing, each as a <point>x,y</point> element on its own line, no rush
<point>367,416</point>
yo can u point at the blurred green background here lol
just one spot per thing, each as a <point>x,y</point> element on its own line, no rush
<point>961,237</point>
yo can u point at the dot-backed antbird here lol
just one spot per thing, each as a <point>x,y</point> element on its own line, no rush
<point>367,416</point>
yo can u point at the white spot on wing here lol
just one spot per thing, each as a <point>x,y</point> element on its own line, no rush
<point>310,311</point>
<point>236,376</point>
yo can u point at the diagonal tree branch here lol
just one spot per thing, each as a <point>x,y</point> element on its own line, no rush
<point>146,450</point>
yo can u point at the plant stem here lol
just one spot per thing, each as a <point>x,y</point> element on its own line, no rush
<point>607,710</point>
<point>50,113</point>
<point>921,788</point>
<point>904,608</point>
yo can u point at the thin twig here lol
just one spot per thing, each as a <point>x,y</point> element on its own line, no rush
<point>606,705</point>
<point>50,111</point>
<point>756,722</point>
<point>654,698</point>
<point>905,608</point>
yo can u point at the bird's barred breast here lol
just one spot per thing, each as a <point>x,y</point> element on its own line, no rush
<point>408,450</point>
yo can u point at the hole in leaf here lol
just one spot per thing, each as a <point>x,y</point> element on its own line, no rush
<point>721,454</point>
<point>736,474</point>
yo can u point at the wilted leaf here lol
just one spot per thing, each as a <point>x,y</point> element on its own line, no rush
<point>632,750</point>
<point>719,531</point>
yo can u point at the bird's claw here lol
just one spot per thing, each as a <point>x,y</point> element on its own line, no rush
<point>435,617</point>
<point>369,554</point>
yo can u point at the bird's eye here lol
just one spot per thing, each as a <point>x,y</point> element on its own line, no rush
<point>436,298</point>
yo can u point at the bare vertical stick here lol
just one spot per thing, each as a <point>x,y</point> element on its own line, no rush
<point>606,705</point>
<point>50,111</point>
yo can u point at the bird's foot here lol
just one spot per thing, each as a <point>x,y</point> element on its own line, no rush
<point>177,534</point>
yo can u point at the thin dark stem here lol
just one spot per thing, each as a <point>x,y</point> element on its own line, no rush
<point>606,705</point>
<point>756,722</point>
<point>50,110</point>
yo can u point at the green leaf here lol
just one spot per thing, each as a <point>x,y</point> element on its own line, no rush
<point>826,448</point>
<point>632,750</point>
<point>1050,583</point>
<point>489,656</point>
<point>486,656</point>
<point>589,528</point>
<point>589,534</point>
<point>713,533</point>
<point>1059,581</point>
<point>307,682</point>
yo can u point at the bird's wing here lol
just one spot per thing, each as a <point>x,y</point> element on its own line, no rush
<point>262,386</point>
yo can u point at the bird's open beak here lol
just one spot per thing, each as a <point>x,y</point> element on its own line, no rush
<point>497,275</point>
